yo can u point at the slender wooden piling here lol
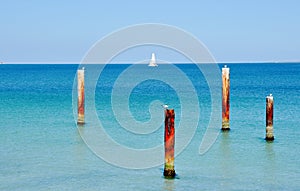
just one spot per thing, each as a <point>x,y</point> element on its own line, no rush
<point>225,98</point>
<point>80,81</point>
<point>269,118</point>
<point>169,171</point>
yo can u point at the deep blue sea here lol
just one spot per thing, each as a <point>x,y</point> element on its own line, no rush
<point>41,147</point>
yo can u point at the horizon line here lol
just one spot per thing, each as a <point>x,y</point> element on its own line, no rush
<point>178,62</point>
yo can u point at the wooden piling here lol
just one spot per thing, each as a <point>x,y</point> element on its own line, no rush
<point>225,98</point>
<point>169,171</point>
<point>80,81</point>
<point>269,118</point>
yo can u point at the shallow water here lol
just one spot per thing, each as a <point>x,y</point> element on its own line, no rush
<point>41,148</point>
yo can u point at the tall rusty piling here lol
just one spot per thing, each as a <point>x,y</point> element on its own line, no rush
<point>169,171</point>
<point>80,87</point>
<point>269,118</point>
<point>225,98</point>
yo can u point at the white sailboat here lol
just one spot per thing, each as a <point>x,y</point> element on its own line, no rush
<point>152,61</point>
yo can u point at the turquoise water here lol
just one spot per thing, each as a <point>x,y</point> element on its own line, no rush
<point>41,148</point>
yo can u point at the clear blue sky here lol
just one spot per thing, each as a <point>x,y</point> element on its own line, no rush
<point>62,31</point>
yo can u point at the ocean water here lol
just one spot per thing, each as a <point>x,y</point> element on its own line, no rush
<point>41,147</point>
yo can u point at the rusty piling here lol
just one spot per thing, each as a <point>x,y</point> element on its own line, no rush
<point>269,118</point>
<point>225,98</point>
<point>80,81</point>
<point>169,171</point>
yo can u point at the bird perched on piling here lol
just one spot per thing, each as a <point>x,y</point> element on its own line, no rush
<point>165,106</point>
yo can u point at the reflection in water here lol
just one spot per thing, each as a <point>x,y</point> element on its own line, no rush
<point>226,159</point>
<point>225,151</point>
<point>169,185</point>
<point>270,170</point>
<point>270,152</point>
<point>80,149</point>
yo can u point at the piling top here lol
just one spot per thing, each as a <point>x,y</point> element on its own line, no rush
<point>170,111</point>
<point>225,69</point>
<point>270,96</point>
<point>165,106</point>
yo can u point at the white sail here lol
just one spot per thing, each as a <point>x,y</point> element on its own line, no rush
<point>152,61</point>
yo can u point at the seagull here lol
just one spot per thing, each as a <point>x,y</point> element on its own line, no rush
<point>165,106</point>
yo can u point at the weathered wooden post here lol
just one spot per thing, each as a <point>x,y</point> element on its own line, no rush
<point>80,81</point>
<point>225,98</point>
<point>269,118</point>
<point>169,171</point>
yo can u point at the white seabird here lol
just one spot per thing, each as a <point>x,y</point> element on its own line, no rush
<point>165,106</point>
